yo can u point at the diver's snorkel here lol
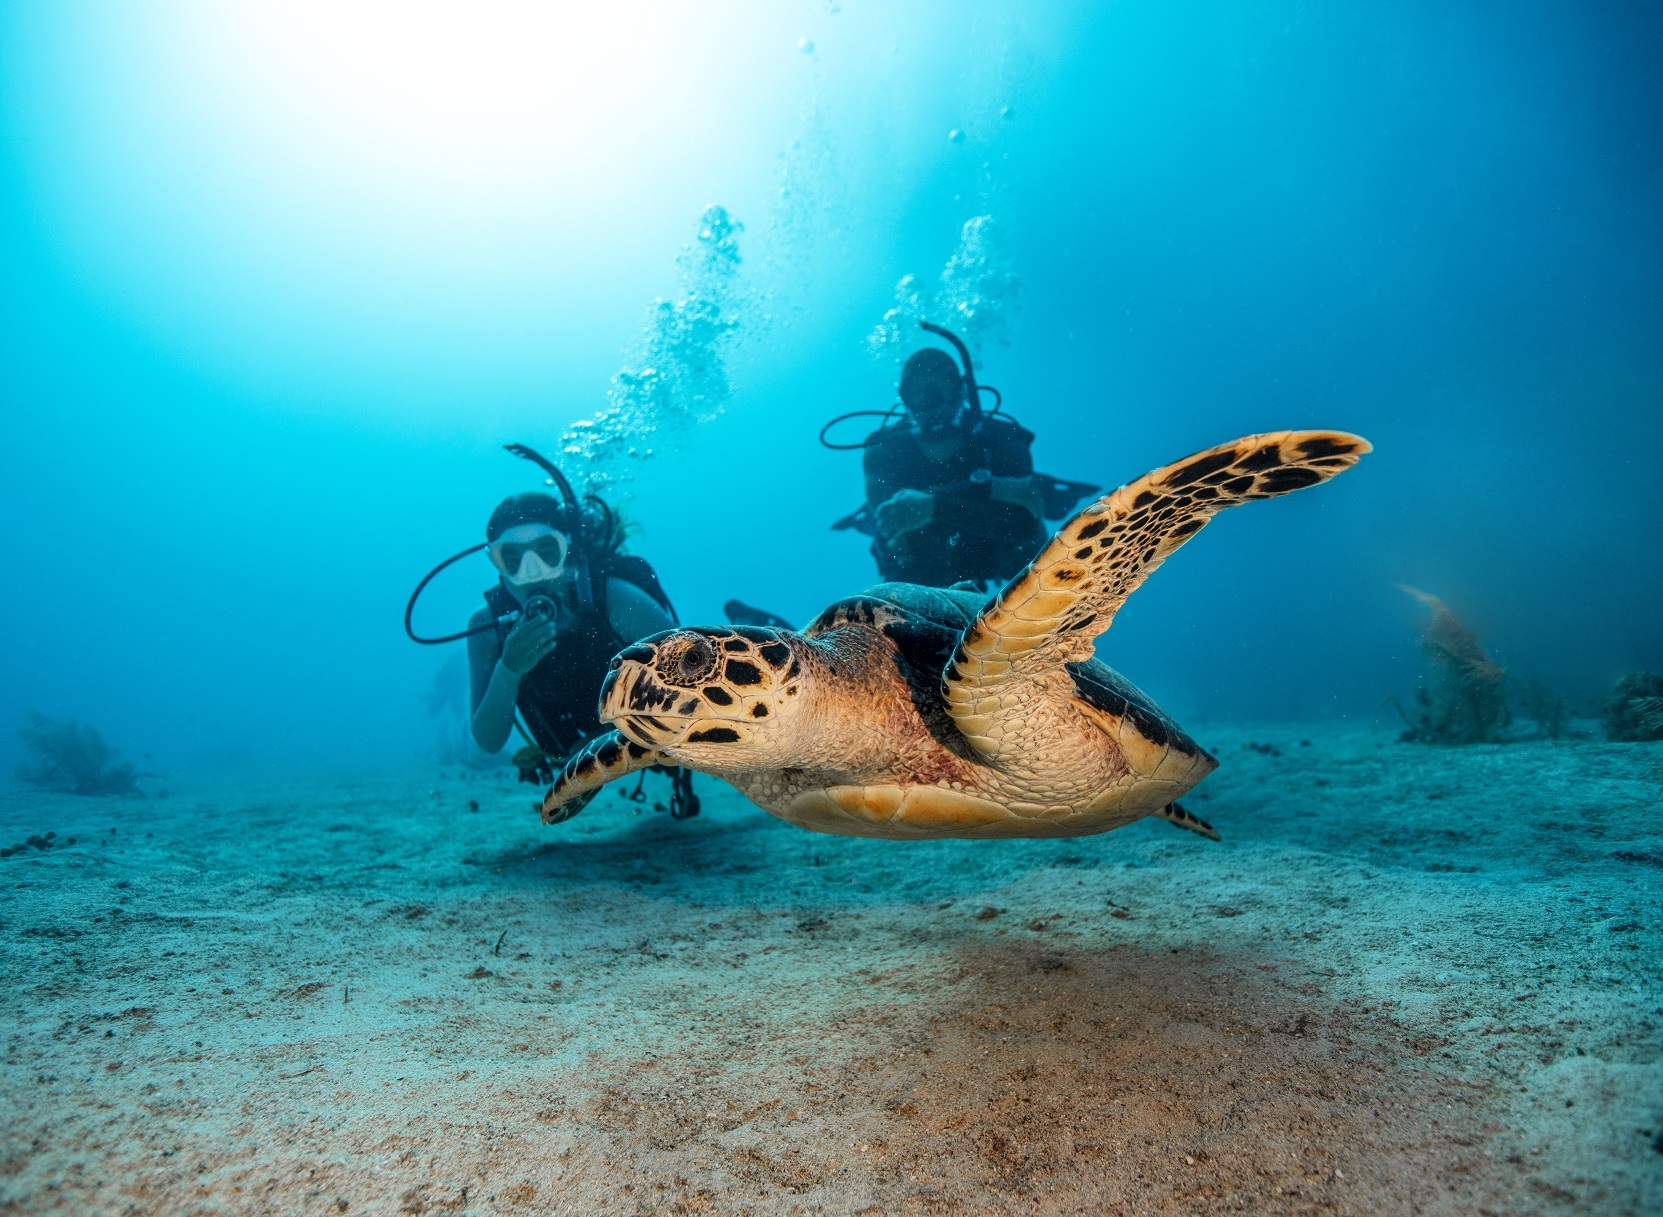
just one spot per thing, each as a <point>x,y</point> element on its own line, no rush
<point>579,557</point>
<point>577,561</point>
<point>972,391</point>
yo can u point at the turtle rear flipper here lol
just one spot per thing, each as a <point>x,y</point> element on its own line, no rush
<point>603,759</point>
<point>1174,814</point>
<point>1050,613</point>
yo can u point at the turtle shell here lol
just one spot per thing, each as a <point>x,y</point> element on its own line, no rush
<point>944,607</point>
<point>923,625</point>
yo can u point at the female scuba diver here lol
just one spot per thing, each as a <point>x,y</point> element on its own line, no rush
<point>565,602</point>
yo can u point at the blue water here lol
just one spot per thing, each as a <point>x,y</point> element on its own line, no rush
<point>276,292</point>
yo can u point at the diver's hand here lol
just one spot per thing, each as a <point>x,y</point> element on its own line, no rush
<point>528,643</point>
<point>904,511</point>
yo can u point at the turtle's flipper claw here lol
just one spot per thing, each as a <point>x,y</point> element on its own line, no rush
<point>564,812</point>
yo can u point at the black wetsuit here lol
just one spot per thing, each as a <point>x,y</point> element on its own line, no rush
<point>972,536</point>
<point>559,699</point>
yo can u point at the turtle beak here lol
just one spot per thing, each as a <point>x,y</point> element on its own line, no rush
<point>631,698</point>
<point>643,729</point>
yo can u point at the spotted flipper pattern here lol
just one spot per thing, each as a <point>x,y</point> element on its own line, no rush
<point>1050,613</point>
<point>1174,814</point>
<point>603,759</point>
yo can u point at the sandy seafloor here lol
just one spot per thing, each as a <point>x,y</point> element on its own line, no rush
<point>1410,980</point>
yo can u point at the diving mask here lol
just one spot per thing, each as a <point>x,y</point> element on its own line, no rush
<point>530,553</point>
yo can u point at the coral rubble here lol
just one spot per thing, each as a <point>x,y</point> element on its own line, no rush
<point>1634,708</point>
<point>1467,701</point>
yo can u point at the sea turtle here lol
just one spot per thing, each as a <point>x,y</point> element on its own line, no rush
<point>912,712</point>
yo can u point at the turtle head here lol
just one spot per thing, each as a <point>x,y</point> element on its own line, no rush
<point>716,699</point>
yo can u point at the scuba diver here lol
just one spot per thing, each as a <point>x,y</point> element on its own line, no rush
<point>951,492</point>
<point>565,602</point>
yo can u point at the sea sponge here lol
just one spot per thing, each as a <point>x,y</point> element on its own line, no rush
<point>73,758</point>
<point>1634,708</point>
<point>1467,701</point>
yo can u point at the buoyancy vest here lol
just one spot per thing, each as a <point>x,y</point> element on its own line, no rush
<point>971,536</point>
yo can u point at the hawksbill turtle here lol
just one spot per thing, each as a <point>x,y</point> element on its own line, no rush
<point>913,712</point>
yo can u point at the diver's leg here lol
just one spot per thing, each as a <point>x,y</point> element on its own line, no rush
<point>684,804</point>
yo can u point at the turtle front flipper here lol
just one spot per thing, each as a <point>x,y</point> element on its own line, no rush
<point>603,759</point>
<point>1049,614</point>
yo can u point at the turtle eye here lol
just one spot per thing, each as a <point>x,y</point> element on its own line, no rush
<point>687,660</point>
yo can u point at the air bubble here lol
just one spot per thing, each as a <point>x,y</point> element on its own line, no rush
<point>677,377</point>
<point>976,296</point>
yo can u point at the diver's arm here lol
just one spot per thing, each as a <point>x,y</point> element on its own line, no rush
<point>1023,492</point>
<point>494,718</point>
<point>492,689</point>
<point>633,613</point>
<point>880,488</point>
<point>496,671</point>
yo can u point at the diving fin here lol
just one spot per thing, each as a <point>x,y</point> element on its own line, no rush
<point>740,613</point>
<point>1060,495</point>
<point>860,519</point>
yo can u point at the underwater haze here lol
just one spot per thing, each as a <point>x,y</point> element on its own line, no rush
<point>279,282</point>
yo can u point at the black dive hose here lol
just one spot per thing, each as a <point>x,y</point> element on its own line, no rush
<point>886,415</point>
<point>972,394</point>
<point>410,606</point>
<point>549,467</point>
